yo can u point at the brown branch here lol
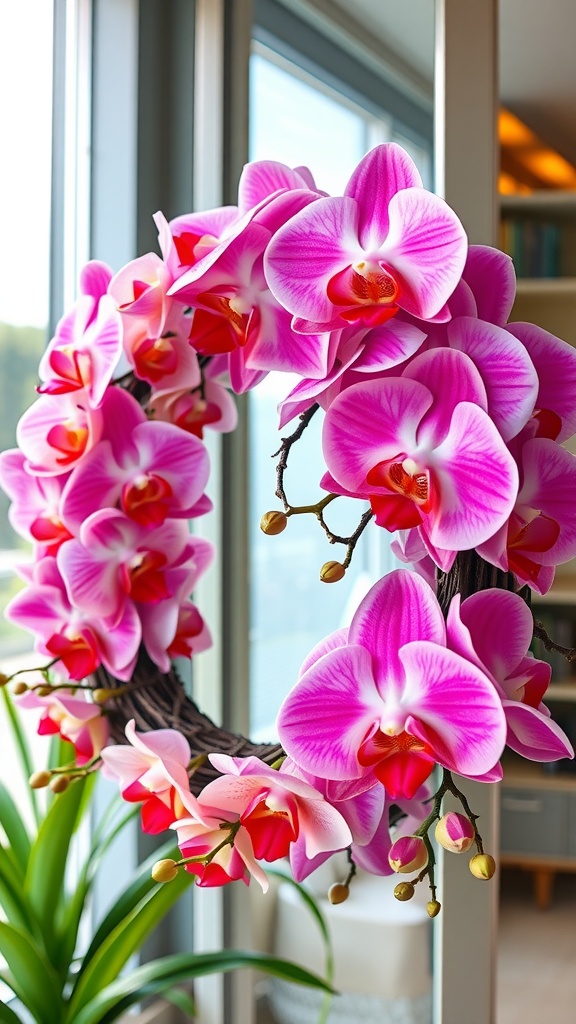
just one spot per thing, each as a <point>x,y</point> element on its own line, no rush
<point>540,633</point>
<point>284,451</point>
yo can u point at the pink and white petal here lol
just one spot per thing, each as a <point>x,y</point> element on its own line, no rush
<point>533,735</point>
<point>167,744</point>
<point>549,485</point>
<point>307,252</point>
<point>118,647</point>
<point>369,423</point>
<point>398,609</point>
<point>387,346</point>
<point>454,708</point>
<point>243,846</point>
<point>500,625</point>
<point>452,378</point>
<point>93,585</point>
<point>478,481</point>
<point>95,277</point>
<point>491,276</point>
<point>555,363</point>
<point>275,346</point>
<point>325,829</point>
<point>383,172</point>
<point>373,856</point>
<point>241,378</point>
<point>325,717</point>
<point>427,245</point>
<point>261,178</point>
<point>506,369</point>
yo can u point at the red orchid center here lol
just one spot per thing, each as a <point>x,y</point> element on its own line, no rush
<point>271,831</point>
<point>78,652</point>
<point>401,762</point>
<point>72,366</point>
<point>68,438</point>
<point>143,578</point>
<point>154,358</point>
<point>370,283</point>
<point>405,478</point>
<point>147,499</point>
<point>367,289</point>
<point>197,414</point>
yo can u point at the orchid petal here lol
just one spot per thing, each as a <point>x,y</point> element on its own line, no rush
<point>533,735</point>
<point>385,170</point>
<point>490,275</point>
<point>555,363</point>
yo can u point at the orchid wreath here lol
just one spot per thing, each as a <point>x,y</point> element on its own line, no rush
<point>442,419</point>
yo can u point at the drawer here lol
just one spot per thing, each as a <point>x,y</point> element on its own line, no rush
<point>536,821</point>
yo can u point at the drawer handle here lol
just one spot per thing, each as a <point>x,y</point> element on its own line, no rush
<point>511,803</point>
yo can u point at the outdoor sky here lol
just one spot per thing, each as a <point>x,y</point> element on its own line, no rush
<point>25,128</point>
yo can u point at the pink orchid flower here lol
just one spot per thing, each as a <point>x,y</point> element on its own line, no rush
<point>70,715</point>
<point>56,431</point>
<point>423,451</point>
<point>541,530</point>
<point>35,512</point>
<point>81,641</point>
<point>114,561</point>
<point>276,812</point>
<point>493,629</point>
<point>390,699</point>
<point>206,403</point>
<point>235,311</point>
<point>152,769</point>
<point>152,470</point>
<point>87,345</point>
<point>555,362</point>
<point>363,256</point>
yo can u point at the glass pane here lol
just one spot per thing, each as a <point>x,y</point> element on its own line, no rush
<point>25,130</point>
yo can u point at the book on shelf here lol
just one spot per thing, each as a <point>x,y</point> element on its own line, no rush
<point>534,245</point>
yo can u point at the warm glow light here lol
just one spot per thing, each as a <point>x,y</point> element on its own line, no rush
<point>544,167</point>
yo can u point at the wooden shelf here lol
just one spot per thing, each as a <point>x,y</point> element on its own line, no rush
<point>546,287</point>
<point>550,203</point>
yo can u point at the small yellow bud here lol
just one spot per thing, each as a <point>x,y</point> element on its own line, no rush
<point>404,891</point>
<point>38,780</point>
<point>433,908</point>
<point>338,893</point>
<point>42,691</point>
<point>164,870</point>
<point>101,695</point>
<point>332,572</point>
<point>19,688</point>
<point>482,866</point>
<point>60,783</point>
<point>4,679</point>
<point>273,523</point>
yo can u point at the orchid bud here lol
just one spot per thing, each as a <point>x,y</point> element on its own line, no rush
<point>19,688</point>
<point>4,679</point>
<point>42,691</point>
<point>59,783</point>
<point>408,854</point>
<point>164,870</point>
<point>482,866</point>
<point>273,523</point>
<point>404,891</point>
<point>433,908</point>
<point>38,780</point>
<point>332,572</point>
<point>455,832</point>
<point>338,893</point>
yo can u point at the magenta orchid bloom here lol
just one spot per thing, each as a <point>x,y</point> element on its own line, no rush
<point>388,698</point>
<point>361,257</point>
<point>276,812</point>
<point>85,350</point>
<point>152,470</point>
<point>70,715</point>
<point>424,452</point>
<point>493,629</point>
<point>114,561</point>
<point>235,311</point>
<point>56,431</point>
<point>36,509</point>
<point>81,641</point>
<point>152,769</point>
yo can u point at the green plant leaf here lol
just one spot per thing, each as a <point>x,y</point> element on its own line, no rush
<point>23,749</point>
<point>35,982</point>
<point>7,1016</point>
<point>157,976</point>
<point>141,884</point>
<point>12,898</point>
<point>49,854</point>
<point>15,829</point>
<point>182,999</point>
<point>126,939</point>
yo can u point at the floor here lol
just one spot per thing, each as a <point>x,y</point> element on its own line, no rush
<point>536,953</point>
